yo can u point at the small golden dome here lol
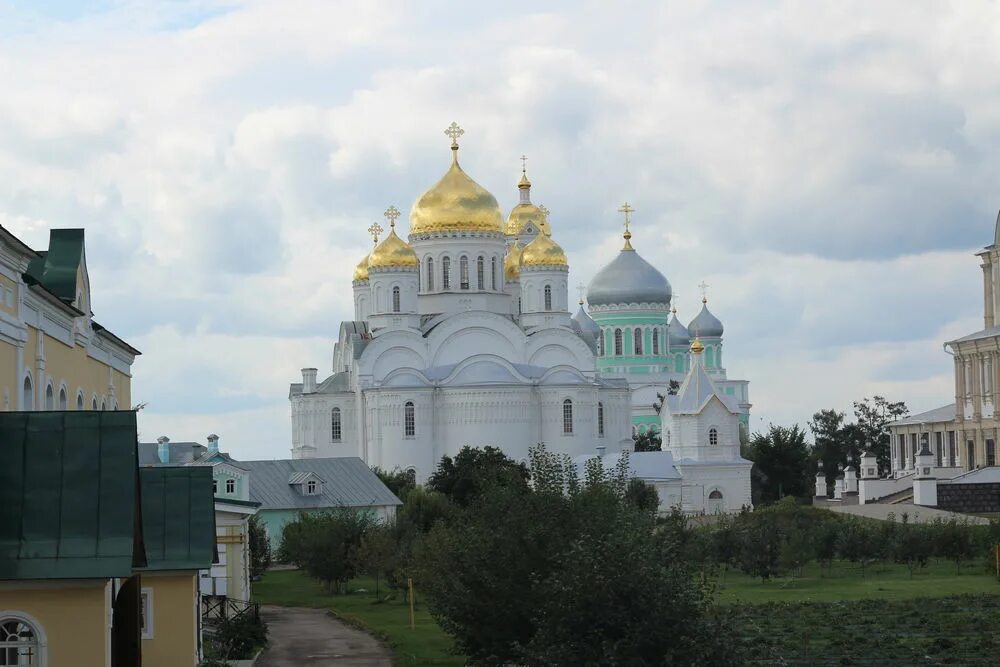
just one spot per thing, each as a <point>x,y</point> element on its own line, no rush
<point>361,270</point>
<point>393,253</point>
<point>543,251</point>
<point>696,346</point>
<point>525,213</point>
<point>512,262</point>
<point>456,203</point>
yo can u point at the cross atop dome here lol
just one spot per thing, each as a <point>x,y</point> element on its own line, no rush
<point>375,230</point>
<point>627,210</point>
<point>703,286</point>
<point>581,288</point>
<point>524,165</point>
<point>391,214</point>
<point>454,131</point>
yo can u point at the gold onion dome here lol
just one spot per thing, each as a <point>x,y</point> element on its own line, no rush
<point>456,203</point>
<point>512,262</point>
<point>393,252</point>
<point>696,346</point>
<point>525,212</point>
<point>361,270</point>
<point>543,251</point>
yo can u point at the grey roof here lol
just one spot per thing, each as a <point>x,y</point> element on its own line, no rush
<point>984,333</point>
<point>299,477</point>
<point>705,324</point>
<point>945,413</point>
<point>347,482</point>
<point>678,333</point>
<point>337,383</point>
<point>586,322</point>
<point>653,466</point>
<point>695,391</point>
<point>628,278</point>
<point>180,453</point>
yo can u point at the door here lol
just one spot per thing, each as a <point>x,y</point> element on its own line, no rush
<point>126,625</point>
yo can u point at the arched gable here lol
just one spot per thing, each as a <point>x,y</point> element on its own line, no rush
<point>551,347</point>
<point>483,370</point>
<point>390,351</point>
<point>563,374</point>
<point>466,335</point>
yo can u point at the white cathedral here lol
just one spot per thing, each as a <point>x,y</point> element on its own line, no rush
<point>462,335</point>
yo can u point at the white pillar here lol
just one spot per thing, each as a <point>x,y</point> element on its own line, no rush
<point>820,482</point>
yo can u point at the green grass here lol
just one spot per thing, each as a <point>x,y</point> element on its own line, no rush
<point>426,644</point>
<point>844,582</point>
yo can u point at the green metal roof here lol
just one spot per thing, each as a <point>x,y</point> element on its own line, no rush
<point>69,495</point>
<point>57,267</point>
<point>178,517</point>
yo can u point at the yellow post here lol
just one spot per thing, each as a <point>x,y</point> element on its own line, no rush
<point>409,583</point>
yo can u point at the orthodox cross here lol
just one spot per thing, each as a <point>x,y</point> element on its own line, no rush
<point>391,214</point>
<point>544,211</point>
<point>375,230</point>
<point>454,131</point>
<point>580,288</point>
<point>703,286</point>
<point>628,211</point>
<point>673,302</point>
<point>524,164</point>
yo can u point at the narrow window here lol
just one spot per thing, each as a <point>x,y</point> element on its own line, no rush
<point>600,420</point>
<point>951,448</point>
<point>446,273</point>
<point>618,342</point>
<point>991,453</point>
<point>146,613</point>
<point>463,272</point>
<point>409,420</point>
<point>395,299</point>
<point>548,297</point>
<point>230,486</point>
<point>215,486</point>
<point>600,343</point>
<point>713,436</point>
<point>104,405</point>
<point>411,475</point>
<point>656,341</point>
<point>430,274</point>
<point>49,400</point>
<point>93,403</point>
<point>567,416</point>
<point>970,458</point>
<point>638,340</point>
<point>79,401</point>
<point>939,447</point>
<point>335,425</point>
<point>481,273</point>
<point>311,487</point>
<point>63,403</point>
<point>493,273</point>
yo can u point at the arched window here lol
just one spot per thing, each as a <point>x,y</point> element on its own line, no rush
<point>638,340</point>
<point>79,401</point>
<point>600,343</point>
<point>395,299</point>
<point>446,273</point>
<point>19,643</point>
<point>493,273</point>
<point>600,420</point>
<point>715,495</point>
<point>463,272</point>
<point>409,420</point>
<point>49,399</point>
<point>335,428</point>
<point>548,297</point>
<point>713,436</point>
<point>93,403</point>
<point>481,273</point>
<point>411,475</point>
<point>656,341</point>
<point>62,398</point>
<point>567,416</point>
<point>618,342</point>
<point>430,274</point>
<point>28,396</point>
<point>104,405</point>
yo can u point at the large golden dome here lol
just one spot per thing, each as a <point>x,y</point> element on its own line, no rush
<point>361,270</point>
<point>543,251</point>
<point>456,203</point>
<point>523,214</point>
<point>393,253</point>
<point>512,262</point>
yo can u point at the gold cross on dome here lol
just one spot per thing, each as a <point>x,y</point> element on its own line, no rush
<point>375,230</point>
<point>391,214</point>
<point>454,131</point>
<point>581,288</point>
<point>628,211</point>
<point>703,286</point>
<point>544,211</point>
<point>673,302</point>
<point>524,164</point>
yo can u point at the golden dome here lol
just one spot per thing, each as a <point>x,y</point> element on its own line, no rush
<point>456,203</point>
<point>512,262</point>
<point>361,270</point>
<point>696,346</point>
<point>524,213</point>
<point>394,253</point>
<point>543,251</point>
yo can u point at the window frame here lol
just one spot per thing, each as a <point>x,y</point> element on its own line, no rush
<point>463,272</point>
<point>567,416</point>
<point>311,487</point>
<point>396,299</point>
<point>656,342</point>
<point>637,341</point>
<point>713,436</point>
<point>429,264</point>
<point>336,425</point>
<point>600,419</point>
<point>480,273</point>
<point>619,342</point>
<point>493,273</point>
<point>446,272</point>
<point>409,420</point>
<point>230,485</point>
<point>28,393</point>
<point>39,642</point>
<point>147,616</point>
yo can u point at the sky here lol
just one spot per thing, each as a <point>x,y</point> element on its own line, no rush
<point>828,169</point>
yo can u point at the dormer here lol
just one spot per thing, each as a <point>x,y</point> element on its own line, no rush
<point>306,483</point>
<point>229,481</point>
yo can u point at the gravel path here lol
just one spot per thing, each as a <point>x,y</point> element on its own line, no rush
<point>299,636</point>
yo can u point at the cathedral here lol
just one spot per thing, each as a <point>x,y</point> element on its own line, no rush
<point>462,335</point>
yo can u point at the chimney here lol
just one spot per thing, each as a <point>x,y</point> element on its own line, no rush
<point>163,449</point>
<point>213,444</point>
<point>308,380</point>
<point>600,451</point>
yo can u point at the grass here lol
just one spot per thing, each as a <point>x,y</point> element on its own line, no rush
<point>426,644</point>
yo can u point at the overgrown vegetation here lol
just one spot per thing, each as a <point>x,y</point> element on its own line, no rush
<point>260,548</point>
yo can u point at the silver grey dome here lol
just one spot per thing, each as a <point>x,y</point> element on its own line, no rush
<point>628,278</point>
<point>678,333</point>
<point>705,325</point>
<point>586,322</point>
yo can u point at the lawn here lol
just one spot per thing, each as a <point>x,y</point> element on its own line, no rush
<point>426,644</point>
<point>844,582</point>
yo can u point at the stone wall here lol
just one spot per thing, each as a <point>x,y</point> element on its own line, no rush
<point>969,497</point>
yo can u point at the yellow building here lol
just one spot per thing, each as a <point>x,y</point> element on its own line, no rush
<point>53,355</point>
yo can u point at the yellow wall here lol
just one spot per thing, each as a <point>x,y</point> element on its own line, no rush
<point>72,366</point>
<point>5,284</point>
<point>8,374</point>
<point>74,621</point>
<point>175,622</point>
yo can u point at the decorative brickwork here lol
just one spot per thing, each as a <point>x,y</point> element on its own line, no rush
<point>969,497</point>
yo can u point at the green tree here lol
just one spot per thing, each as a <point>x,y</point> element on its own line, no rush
<point>782,458</point>
<point>760,539</point>
<point>835,443</point>
<point>378,553</point>
<point>260,548</point>
<point>325,544</point>
<point>649,441</point>
<point>473,471</point>
<point>859,542</point>
<point>642,495</point>
<point>873,414</point>
<point>400,482</point>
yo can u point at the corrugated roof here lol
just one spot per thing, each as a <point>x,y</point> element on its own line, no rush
<point>178,517</point>
<point>347,482</point>
<point>69,495</point>
<point>945,413</point>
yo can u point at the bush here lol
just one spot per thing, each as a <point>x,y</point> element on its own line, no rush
<point>260,548</point>
<point>236,638</point>
<point>325,544</point>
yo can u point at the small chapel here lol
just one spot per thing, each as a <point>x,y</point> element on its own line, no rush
<point>462,335</point>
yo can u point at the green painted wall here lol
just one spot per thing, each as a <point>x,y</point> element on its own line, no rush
<point>221,477</point>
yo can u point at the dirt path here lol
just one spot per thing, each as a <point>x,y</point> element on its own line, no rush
<point>298,636</point>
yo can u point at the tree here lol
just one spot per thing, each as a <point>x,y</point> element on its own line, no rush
<point>377,554</point>
<point>400,482</point>
<point>872,416</point>
<point>260,548</point>
<point>325,544</point>
<point>642,495</point>
<point>782,459</point>
<point>473,471</point>
<point>646,442</point>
